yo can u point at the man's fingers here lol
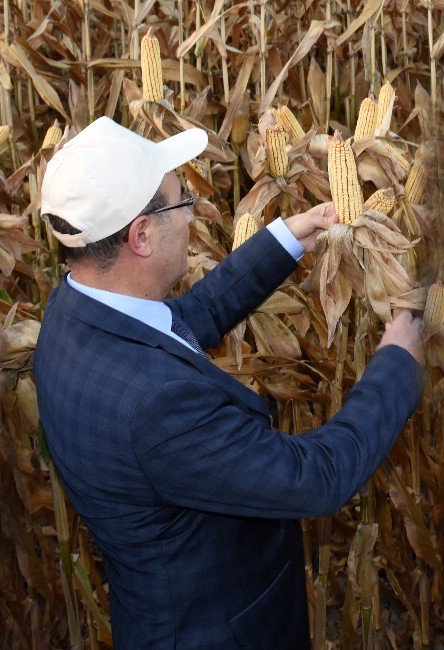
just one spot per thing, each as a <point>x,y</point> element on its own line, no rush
<point>401,318</point>
<point>398,311</point>
<point>324,215</point>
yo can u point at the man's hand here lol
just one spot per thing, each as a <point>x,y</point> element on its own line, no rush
<point>405,331</point>
<point>308,225</point>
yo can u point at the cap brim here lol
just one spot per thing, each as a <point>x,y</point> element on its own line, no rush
<point>183,147</point>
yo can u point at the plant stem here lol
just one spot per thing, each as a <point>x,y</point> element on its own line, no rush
<point>236,183</point>
<point>325,541</point>
<point>301,64</point>
<point>181,72</point>
<point>372,57</point>
<point>197,49</point>
<point>383,50</point>
<point>224,65</point>
<point>352,70</point>
<point>87,56</point>
<point>337,88</point>
<point>329,71</point>
<point>263,49</point>
<point>135,35</point>
<point>404,44</point>
<point>62,529</point>
<point>6,95</point>
<point>36,223</point>
<point>433,93</point>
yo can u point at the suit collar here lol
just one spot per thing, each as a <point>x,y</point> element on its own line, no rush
<point>94,313</point>
<point>151,312</point>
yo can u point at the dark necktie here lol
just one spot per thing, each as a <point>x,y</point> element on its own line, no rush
<point>181,329</point>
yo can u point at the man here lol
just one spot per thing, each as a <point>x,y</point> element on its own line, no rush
<point>191,497</point>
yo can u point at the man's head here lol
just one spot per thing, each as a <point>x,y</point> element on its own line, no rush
<point>104,252</point>
<point>107,179</point>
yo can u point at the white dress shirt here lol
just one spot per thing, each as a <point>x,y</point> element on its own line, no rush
<point>156,313</point>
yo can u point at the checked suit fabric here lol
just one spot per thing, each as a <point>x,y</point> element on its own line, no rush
<point>190,495</point>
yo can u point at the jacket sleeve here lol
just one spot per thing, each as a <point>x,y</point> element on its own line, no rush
<point>239,284</point>
<point>199,451</point>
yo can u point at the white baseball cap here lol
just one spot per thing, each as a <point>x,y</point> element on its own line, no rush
<point>103,178</point>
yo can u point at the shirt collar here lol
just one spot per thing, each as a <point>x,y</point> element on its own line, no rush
<point>151,312</point>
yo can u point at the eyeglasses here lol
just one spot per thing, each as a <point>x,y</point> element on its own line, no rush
<point>182,204</point>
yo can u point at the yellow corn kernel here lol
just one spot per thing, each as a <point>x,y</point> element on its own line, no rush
<point>385,98</point>
<point>276,147</point>
<point>434,309</point>
<point>289,123</point>
<point>198,167</point>
<point>4,133</point>
<point>245,228</point>
<point>404,163</point>
<point>382,200</point>
<point>53,135</point>
<point>416,182</point>
<point>343,178</point>
<point>152,81</point>
<point>366,124</point>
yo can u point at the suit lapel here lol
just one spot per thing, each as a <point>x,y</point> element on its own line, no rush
<point>95,313</point>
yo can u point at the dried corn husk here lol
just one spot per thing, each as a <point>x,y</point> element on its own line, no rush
<point>365,257</point>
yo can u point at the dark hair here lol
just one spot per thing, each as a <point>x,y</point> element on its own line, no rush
<point>104,252</point>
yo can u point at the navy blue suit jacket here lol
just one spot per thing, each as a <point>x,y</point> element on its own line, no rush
<point>191,497</point>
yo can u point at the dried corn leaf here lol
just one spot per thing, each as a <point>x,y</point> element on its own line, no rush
<point>43,87</point>
<point>280,303</point>
<point>335,295</point>
<point>417,533</point>
<point>311,37</point>
<point>18,339</point>
<point>273,336</point>
<point>370,8</point>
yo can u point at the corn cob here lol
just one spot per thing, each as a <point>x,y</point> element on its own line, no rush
<point>53,135</point>
<point>152,81</point>
<point>344,183</point>
<point>4,134</point>
<point>384,100</point>
<point>404,163</point>
<point>382,200</point>
<point>416,182</point>
<point>277,151</point>
<point>289,123</point>
<point>245,228</point>
<point>434,309</point>
<point>366,124</point>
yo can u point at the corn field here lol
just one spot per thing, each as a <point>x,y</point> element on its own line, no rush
<point>281,88</point>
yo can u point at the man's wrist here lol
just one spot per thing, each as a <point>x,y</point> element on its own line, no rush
<point>285,237</point>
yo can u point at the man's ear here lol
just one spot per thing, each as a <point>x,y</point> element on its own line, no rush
<point>140,236</point>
